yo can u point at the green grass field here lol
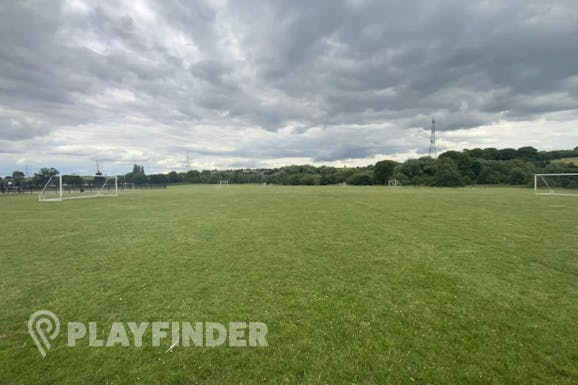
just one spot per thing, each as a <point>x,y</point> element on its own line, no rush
<point>358,285</point>
<point>566,160</point>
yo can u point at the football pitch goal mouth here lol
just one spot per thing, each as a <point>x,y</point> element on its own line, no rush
<point>63,187</point>
<point>556,184</point>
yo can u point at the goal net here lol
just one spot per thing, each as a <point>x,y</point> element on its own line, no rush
<point>62,187</point>
<point>393,183</point>
<point>556,184</point>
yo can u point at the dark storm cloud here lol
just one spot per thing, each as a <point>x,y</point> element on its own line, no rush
<point>415,51</point>
<point>185,69</point>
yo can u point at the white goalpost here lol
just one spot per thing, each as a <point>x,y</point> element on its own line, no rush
<point>223,183</point>
<point>63,187</point>
<point>556,184</point>
<point>393,183</point>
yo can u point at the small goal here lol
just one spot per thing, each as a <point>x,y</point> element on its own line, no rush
<point>556,184</point>
<point>223,183</point>
<point>393,183</point>
<point>63,187</point>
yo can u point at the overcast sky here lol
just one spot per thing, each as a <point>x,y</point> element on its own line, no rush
<point>268,83</point>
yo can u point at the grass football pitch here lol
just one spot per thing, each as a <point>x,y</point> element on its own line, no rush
<point>357,285</point>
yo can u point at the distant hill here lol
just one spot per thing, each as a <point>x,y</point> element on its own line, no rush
<point>566,161</point>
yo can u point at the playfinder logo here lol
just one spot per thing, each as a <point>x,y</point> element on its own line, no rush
<point>44,328</point>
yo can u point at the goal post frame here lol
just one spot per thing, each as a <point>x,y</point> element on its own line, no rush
<point>393,183</point>
<point>97,194</point>
<point>538,177</point>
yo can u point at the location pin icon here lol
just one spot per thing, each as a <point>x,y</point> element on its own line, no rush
<point>43,327</point>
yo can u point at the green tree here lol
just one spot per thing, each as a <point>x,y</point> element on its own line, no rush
<point>411,168</point>
<point>18,178</point>
<point>43,175</point>
<point>488,176</point>
<point>72,180</point>
<point>519,176</point>
<point>137,175</point>
<point>383,170</point>
<point>462,160</point>
<point>490,153</point>
<point>448,174</point>
<point>192,176</point>
<point>527,153</point>
<point>507,154</point>
<point>173,177</point>
<point>477,166</point>
<point>309,179</point>
<point>157,179</point>
<point>475,153</point>
<point>361,178</point>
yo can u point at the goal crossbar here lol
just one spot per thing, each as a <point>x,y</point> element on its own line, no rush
<point>80,187</point>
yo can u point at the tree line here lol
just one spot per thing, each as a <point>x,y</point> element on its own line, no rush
<point>489,166</point>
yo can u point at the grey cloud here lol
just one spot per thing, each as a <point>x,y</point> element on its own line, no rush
<point>176,65</point>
